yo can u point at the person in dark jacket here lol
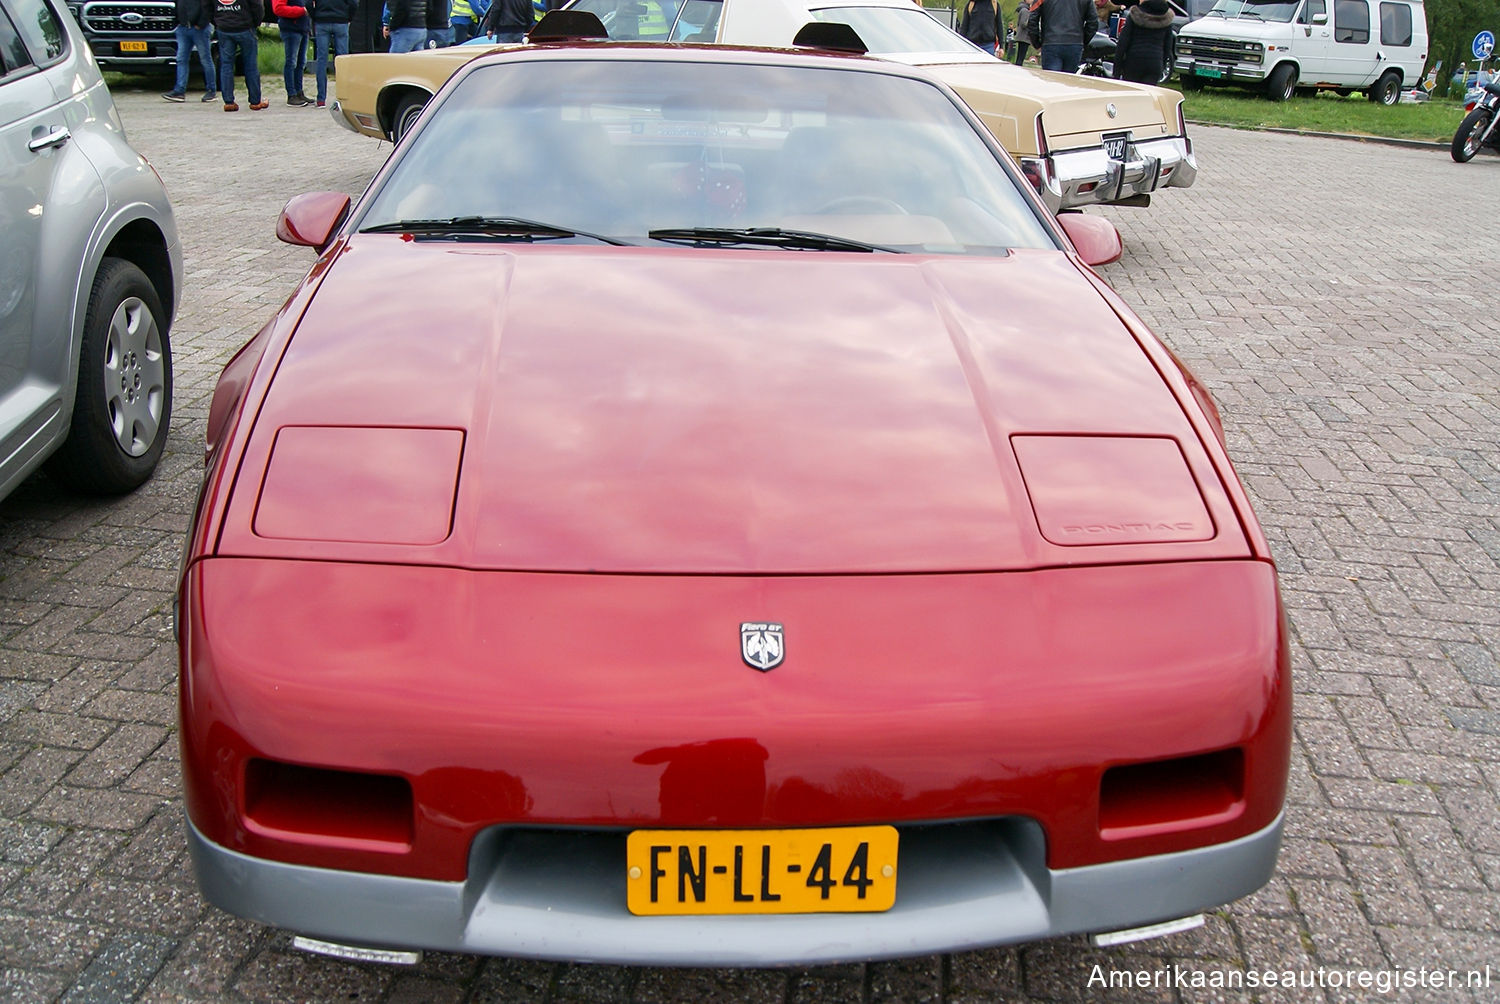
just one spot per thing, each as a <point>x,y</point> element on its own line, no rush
<point>406,24</point>
<point>439,30</point>
<point>296,31</point>
<point>1026,36</point>
<point>330,21</point>
<point>1065,26</point>
<point>981,24</point>
<point>1146,43</point>
<point>193,20</point>
<point>235,22</point>
<point>509,20</point>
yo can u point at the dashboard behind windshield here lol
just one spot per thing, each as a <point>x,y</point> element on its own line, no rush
<point>622,148</point>
<point>1257,10</point>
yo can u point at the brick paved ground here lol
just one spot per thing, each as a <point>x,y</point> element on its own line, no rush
<point>1338,298</point>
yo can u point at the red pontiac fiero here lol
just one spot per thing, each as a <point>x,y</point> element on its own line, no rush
<point>701,509</point>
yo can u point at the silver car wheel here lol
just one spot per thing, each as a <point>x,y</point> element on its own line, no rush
<point>134,376</point>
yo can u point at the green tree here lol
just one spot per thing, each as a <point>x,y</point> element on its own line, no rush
<point>1452,25</point>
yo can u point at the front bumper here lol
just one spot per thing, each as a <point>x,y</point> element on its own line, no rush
<point>1236,73</point>
<point>560,894</point>
<point>1073,179</point>
<point>108,50</point>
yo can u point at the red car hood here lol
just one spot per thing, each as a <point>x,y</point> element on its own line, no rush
<point>673,410</point>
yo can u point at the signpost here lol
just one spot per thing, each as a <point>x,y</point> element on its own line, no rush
<point>1484,44</point>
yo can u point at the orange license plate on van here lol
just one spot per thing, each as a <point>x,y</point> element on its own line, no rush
<point>134,47</point>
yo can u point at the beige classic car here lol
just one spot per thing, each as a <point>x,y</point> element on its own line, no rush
<point>1080,140</point>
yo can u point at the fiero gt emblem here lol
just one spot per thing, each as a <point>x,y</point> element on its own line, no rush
<point>761,645</point>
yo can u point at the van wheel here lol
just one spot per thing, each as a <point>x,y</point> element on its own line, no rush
<point>1282,83</point>
<point>1387,90</point>
<point>123,402</point>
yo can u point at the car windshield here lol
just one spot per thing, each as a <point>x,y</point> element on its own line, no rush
<point>702,153</point>
<point>886,30</point>
<point>1257,10</point>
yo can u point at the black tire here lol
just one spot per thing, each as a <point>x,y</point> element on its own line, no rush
<point>123,403</point>
<point>1282,83</point>
<point>1190,81</point>
<point>407,109</point>
<point>1387,90</point>
<point>1466,140</point>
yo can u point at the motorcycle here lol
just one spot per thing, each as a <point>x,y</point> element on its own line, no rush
<point>1477,130</point>
<point>1098,57</point>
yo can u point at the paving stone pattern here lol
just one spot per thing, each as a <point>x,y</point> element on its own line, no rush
<point>1338,298</point>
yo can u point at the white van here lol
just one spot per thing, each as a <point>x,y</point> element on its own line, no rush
<point>1376,46</point>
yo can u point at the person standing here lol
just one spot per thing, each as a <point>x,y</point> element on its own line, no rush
<point>406,25</point>
<point>296,30</point>
<point>439,33</point>
<point>1026,36</point>
<point>981,24</point>
<point>235,22</point>
<point>193,20</point>
<point>1065,26</point>
<point>509,20</point>
<point>465,17</point>
<point>1146,43</point>
<point>330,21</point>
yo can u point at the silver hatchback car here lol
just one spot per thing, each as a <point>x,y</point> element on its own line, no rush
<point>90,268</point>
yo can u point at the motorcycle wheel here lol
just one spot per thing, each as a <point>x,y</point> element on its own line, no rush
<point>1466,140</point>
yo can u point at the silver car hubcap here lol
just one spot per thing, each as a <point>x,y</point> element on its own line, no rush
<point>134,376</point>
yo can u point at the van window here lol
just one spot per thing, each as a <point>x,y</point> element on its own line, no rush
<point>1395,24</point>
<point>1351,21</point>
<point>1313,8</point>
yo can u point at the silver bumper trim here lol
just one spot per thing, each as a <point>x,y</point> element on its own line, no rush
<point>340,117</point>
<point>1091,177</point>
<point>550,894</point>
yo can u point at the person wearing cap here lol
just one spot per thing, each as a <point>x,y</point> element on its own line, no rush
<point>1145,47</point>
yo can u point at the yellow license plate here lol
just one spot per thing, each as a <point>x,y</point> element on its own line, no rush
<point>133,47</point>
<point>848,869</point>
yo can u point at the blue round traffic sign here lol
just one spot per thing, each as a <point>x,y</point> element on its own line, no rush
<point>1484,44</point>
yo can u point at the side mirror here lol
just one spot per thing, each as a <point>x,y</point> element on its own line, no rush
<point>1094,238</point>
<point>310,220</point>
<point>1320,19</point>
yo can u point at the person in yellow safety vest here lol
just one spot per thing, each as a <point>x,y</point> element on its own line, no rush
<point>466,16</point>
<point>635,19</point>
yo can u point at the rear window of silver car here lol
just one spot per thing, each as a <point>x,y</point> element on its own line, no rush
<point>622,148</point>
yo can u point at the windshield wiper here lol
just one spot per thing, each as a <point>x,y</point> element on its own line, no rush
<point>804,240</point>
<point>509,227</point>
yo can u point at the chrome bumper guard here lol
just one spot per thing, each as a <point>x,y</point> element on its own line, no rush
<point>340,118</point>
<point>560,894</point>
<point>1090,177</point>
